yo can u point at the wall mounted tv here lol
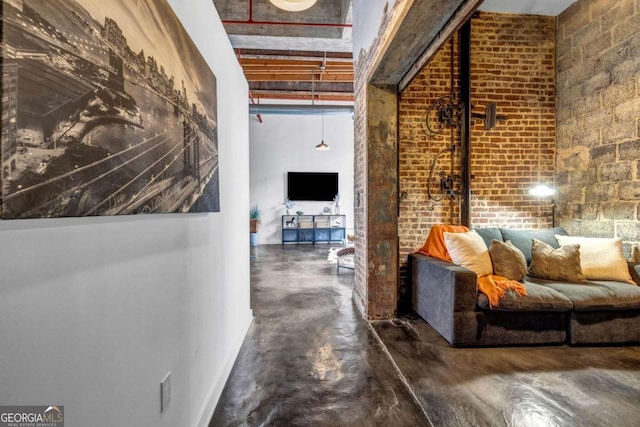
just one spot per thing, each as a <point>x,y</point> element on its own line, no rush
<point>315,186</point>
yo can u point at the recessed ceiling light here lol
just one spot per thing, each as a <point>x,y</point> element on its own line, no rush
<point>293,5</point>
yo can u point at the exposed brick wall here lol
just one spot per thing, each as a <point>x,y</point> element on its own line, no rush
<point>513,64</point>
<point>418,149</point>
<point>598,119</point>
<point>360,295</point>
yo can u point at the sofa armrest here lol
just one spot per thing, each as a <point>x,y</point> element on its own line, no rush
<point>634,270</point>
<point>441,289</point>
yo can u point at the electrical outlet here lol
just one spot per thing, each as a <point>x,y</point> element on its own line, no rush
<point>165,392</point>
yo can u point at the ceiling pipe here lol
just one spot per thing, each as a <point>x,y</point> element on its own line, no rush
<point>294,109</point>
<point>289,24</point>
<point>253,102</point>
<point>250,21</point>
<point>465,128</point>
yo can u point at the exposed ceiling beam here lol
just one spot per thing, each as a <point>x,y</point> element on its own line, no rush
<point>303,55</point>
<point>320,87</point>
<point>291,95</point>
<point>269,76</point>
<point>422,25</point>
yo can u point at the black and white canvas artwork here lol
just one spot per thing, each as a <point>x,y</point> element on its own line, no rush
<point>108,108</point>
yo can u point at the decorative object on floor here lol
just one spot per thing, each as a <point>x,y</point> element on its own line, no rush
<point>254,219</point>
<point>293,5</point>
<point>254,239</point>
<point>113,111</point>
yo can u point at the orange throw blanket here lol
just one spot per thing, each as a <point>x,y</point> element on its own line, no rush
<point>494,287</point>
<point>434,246</point>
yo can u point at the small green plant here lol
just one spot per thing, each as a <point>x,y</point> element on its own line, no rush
<point>255,213</point>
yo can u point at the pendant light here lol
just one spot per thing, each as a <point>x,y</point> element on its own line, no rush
<point>293,5</point>
<point>322,146</point>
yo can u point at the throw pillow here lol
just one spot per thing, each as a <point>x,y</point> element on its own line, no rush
<point>561,264</point>
<point>469,250</point>
<point>508,261</point>
<point>600,258</point>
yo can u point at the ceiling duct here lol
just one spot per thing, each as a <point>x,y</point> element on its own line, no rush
<point>294,109</point>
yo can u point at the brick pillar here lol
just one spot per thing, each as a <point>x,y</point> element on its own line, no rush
<point>382,201</point>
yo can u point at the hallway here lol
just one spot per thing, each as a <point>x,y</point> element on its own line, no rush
<point>309,359</point>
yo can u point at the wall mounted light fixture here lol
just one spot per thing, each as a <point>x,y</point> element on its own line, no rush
<point>293,5</point>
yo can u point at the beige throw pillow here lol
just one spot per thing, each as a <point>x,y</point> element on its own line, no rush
<point>562,264</point>
<point>600,258</point>
<point>508,261</point>
<point>469,250</point>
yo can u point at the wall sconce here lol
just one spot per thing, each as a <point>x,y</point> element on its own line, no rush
<point>293,5</point>
<point>544,190</point>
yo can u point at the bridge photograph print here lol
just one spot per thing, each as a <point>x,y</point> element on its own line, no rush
<point>106,110</point>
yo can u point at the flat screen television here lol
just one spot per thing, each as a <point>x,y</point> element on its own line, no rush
<point>312,186</point>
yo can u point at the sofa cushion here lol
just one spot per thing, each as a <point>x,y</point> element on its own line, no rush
<point>468,250</point>
<point>600,258</point>
<point>562,264</point>
<point>538,298</point>
<point>508,261</point>
<point>489,235</point>
<point>599,295</point>
<point>522,238</point>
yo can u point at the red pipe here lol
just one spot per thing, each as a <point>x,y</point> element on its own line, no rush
<point>253,102</point>
<point>290,24</point>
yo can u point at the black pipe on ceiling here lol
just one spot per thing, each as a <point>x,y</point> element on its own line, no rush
<point>465,125</point>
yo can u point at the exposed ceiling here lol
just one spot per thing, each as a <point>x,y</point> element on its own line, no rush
<point>297,55</point>
<point>527,7</point>
<point>292,54</point>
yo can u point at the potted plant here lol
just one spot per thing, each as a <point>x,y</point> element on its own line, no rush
<point>254,219</point>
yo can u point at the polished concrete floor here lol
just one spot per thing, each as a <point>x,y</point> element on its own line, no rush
<point>515,386</point>
<point>309,359</point>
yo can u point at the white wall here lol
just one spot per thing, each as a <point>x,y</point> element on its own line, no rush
<point>284,143</point>
<point>95,311</point>
<point>367,19</point>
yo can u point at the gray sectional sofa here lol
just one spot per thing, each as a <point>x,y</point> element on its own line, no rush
<point>598,312</point>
